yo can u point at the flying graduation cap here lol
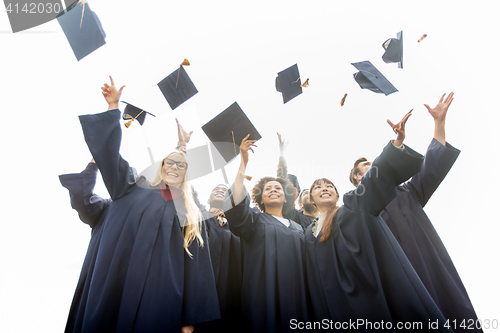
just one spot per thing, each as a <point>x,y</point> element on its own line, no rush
<point>288,83</point>
<point>228,129</point>
<point>134,113</point>
<point>177,87</point>
<point>394,50</point>
<point>82,28</point>
<point>370,78</point>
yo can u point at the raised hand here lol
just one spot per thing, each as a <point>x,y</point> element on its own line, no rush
<point>245,146</point>
<point>111,95</point>
<point>439,112</point>
<point>282,143</point>
<point>399,129</point>
<point>183,135</point>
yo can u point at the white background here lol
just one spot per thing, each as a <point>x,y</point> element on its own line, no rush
<point>236,49</point>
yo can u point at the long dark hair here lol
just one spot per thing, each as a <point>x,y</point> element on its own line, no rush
<point>332,212</point>
<point>288,188</point>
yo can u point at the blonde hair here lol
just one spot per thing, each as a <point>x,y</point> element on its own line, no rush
<point>192,230</point>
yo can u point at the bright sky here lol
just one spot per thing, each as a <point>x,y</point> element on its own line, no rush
<point>236,49</point>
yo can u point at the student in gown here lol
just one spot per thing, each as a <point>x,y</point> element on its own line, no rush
<point>414,231</point>
<point>225,252</point>
<point>307,212</point>
<point>92,210</point>
<point>356,270</point>
<point>152,272</point>
<point>273,292</point>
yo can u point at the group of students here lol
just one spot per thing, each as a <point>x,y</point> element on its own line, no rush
<point>159,261</point>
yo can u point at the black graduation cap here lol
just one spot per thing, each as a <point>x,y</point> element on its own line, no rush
<point>177,87</point>
<point>82,28</point>
<point>394,50</point>
<point>370,78</point>
<point>133,112</point>
<point>227,130</point>
<point>288,83</point>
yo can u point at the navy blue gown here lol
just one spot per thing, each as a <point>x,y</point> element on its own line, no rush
<point>273,284</point>
<point>226,255</point>
<point>92,210</point>
<point>361,272</point>
<point>421,243</point>
<point>143,280</point>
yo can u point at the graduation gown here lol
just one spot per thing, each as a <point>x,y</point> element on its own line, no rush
<point>226,255</point>
<point>92,210</point>
<point>273,284</point>
<point>361,272</point>
<point>421,243</point>
<point>299,216</point>
<point>143,279</point>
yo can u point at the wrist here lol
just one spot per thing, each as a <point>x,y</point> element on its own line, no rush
<point>113,106</point>
<point>181,145</point>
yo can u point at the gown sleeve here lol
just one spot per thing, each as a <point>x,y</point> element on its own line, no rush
<point>378,185</point>
<point>89,206</point>
<point>103,135</point>
<point>437,163</point>
<point>240,216</point>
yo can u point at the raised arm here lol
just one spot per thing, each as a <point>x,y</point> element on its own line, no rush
<point>439,115</point>
<point>439,158</point>
<point>238,187</point>
<point>89,206</point>
<point>394,165</point>
<point>102,133</point>
<point>237,202</point>
<point>282,167</point>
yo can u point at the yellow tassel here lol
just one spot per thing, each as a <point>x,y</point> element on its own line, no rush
<point>185,62</point>
<point>127,124</point>
<point>422,38</point>
<point>248,177</point>
<point>305,84</point>
<point>343,100</point>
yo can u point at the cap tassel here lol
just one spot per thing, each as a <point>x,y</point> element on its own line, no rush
<point>305,84</point>
<point>83,2</point>
<point>422,38</point>
<point>128,123</point>
<point>296,80</point>
<point>343,100</point>
<point>184,63</point>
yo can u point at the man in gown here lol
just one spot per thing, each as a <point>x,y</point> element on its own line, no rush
<point>415,233</point>
<point>360,274</point>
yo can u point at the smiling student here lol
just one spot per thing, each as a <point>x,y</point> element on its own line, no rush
<point>273,290</point>
<point>152,270</point>
<point>355,269</point>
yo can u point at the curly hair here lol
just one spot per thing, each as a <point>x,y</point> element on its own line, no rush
<point>288,188</point>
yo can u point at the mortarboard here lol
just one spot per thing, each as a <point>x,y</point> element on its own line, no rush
<point>133,112</point>
<point>370,78</point>
<point>394,50</point>
<point>288,83</point>
<point>177,87</point>
<point>228,129</point>
<point>82,28</point>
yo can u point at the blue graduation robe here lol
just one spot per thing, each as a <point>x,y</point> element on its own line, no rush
<point>92,210</point>
<point>421,243</point>
<point>361,272</point>
<point>143,279</point>
<point>273,284</point>
<point>226,255</point>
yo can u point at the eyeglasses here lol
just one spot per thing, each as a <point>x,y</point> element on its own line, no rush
<point>170,163</point>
